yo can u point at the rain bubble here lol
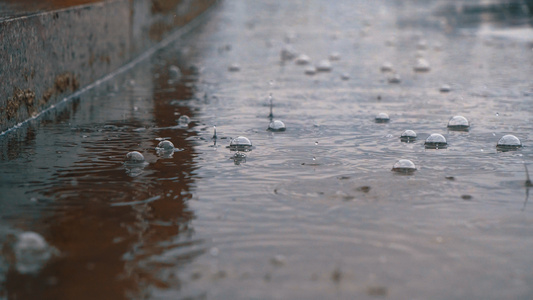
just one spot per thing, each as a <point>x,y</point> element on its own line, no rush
<point>303,59</point>
<point>395,78</point>
<point>287,53</point>
<point>408,136</point>
<point>184,121</point>
<point>382,118</point>
<point>436,141</point>
<point>290,37</point>
<point>234,67</point>
<point>345,76</point>
<point>422,65</point>
<point>134,157</point>
<point>509,142</point>
<point>165,146</point>
<point>387,67</point>
<point>334,56</point>
<point>445,88</point>
<point>458,123</point>
<point>422,45</point>
<point>31,252</point>
<point>310,70</point>
<point>404,166</point>
<point>240,143</point>
<point>323,66</point>
<point>276,125</point>
<point>174,72</point>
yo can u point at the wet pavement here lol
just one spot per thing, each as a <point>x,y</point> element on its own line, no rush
<point>312,212</point>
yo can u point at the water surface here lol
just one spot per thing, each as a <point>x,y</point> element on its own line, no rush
<point>313,212</point>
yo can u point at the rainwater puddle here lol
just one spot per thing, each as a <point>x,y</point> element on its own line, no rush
<point>313,211</point>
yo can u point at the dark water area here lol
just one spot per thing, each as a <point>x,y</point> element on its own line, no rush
<point>313,212</point>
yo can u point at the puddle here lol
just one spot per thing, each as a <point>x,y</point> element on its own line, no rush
<point>313,211</point>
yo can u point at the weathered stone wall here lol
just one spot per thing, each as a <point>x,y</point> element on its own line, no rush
<point>47,56</point>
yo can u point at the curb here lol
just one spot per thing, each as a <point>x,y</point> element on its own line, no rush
<point>49,56</point>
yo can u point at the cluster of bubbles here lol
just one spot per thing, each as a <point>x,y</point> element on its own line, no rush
<point>438,141</point>
<point>433,141</point>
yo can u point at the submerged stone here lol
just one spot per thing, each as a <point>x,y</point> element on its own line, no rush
<point>404,166</point>
<point>408,135</point>
<point>509,142</point>
<point>134,157</point>
<point>436,141</point>
<point>382,118</point>
<point>276,125</point>
<point>240,143</point>
<point>458,123</point>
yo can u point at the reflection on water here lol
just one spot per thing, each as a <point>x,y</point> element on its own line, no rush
<point>108,225</point>
<point>312,212</point>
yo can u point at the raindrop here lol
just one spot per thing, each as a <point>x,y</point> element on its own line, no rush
<point>509,142</point>
<point>395,78</point>
<point>334,56</point>
<point>271,100</point>
<point>404,166</point>
<point>303,59</point>
<point>408,136</point>
<point>214,133</point>
<point>287,53</point>
<point>314,158</point>
<point>497,114</point>
<point>234,68</point>
<point>458,123</point>
<point>387,67</point>
<point>422,65</point>
<point>184,121</point>
<point>436,141</point>
<point>382,118</point>
<point>276,125</point>
<point>240,143</point>
<point>31,252</point>
<point>445,88</point>
<point>310,70</point>
<point>134,157</point>
<point>316,143</point>
<point>345,76</point>
<point>323,66</point>
<point>174,73</point>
